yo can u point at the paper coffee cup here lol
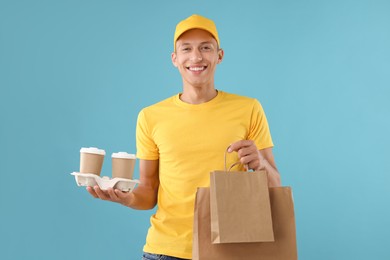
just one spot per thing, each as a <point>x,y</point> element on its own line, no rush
<point>123,165</point>
<point>91,160</point>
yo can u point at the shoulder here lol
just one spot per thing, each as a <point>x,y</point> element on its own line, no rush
<point>240,100</point>
<point>168,102</point>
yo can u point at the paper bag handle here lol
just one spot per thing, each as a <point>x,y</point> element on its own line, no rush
<point>231,166</point>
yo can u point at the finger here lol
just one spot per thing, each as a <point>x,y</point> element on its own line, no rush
<point>113,195</point>
<point>121,194</point>
<point>125,197</point>
<point>249,159</point>
<point>247,151</point>
<point>101,194</point>
<point>239,145</point>
<point>254,165</point>
<point>92,192</point>
<point>258,164</point>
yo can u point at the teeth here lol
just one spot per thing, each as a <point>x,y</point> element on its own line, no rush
<point>196,68</point>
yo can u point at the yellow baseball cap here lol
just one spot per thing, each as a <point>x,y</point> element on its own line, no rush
<point>195,22</point>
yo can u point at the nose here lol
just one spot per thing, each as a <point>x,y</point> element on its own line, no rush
<point>196,56</point>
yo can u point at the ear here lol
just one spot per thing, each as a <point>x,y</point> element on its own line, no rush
<point>220,55</point>
<point>173,58</point>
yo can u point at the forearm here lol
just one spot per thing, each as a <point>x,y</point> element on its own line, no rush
<point>145,195</point>
<point>273,174</point>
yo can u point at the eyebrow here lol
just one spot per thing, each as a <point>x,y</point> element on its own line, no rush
<point>206,42</point>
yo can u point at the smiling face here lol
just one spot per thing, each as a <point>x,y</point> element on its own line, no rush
<point>196,58</point>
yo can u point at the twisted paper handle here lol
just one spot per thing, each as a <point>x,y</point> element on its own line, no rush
<point>231,166</point>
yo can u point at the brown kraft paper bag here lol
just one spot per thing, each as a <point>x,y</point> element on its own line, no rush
<point>283,248</point>
<point>240,207</point>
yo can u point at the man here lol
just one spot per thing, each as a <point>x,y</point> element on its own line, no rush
<point>182,139</point>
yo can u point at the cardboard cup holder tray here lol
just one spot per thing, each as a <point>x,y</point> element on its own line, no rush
<point>89,179</point>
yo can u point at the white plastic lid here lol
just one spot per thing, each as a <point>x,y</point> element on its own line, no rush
<point>93,150</point>
<point>123,155</point>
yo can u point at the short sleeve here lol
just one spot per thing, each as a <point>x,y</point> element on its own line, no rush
<point>259,130</point>
<point>146,147</point>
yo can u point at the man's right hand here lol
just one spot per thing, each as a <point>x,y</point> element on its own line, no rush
<point>111,194</point>
<point>143,197</point>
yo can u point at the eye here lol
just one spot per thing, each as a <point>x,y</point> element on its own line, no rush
<point>185,49</point>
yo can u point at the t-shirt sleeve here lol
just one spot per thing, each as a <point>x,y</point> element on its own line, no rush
<point>146,147</point>
<point>259,130</point>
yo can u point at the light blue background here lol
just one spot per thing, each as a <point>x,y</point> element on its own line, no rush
<point>76,73</point>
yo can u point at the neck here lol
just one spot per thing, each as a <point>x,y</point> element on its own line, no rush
<point>198,95</point>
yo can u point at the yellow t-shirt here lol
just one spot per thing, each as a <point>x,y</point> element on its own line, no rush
<point>190,141</point>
